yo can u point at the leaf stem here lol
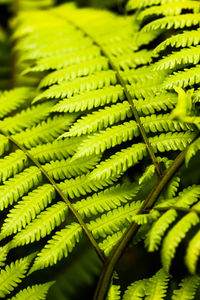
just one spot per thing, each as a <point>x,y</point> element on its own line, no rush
<point>109,266</point>
<point>61,194</point>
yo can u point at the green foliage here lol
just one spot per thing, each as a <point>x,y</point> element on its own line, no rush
<point>80,141</point>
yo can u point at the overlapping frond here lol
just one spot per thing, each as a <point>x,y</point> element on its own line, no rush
<point>12,275</point>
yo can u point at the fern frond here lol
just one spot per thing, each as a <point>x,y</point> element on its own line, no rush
<point>100,119</point>
<point>58,149</point>
<point>135,291</point>
<point>142,219</point>
<point>19,185</point>
<point>151,89</point>
<point>83,69</point>
<point>172,141</point>
<point>156,286</point>
<point>188,196</point>
<point>188,287</point>
<point>64,60</point>
<point>43,225</point>
<point>27,209</point>
<point>4,250</point>
<point>158,230</point>
<point>118,112</point>
<point>183,57</point>
<point>89,100</point>
<point>114,292</point>
<point>62,169</point>
<point>176,22</point>
<point>11,100</point>
<point>4,144</point>
<point>120,162</point>
<point>172,187</point>
<point>84,184</point>
<point>129,61</point>
<point>114,220</point>
<point>138,4</point>
<point>174,237</point>
<point>61,244</point>
<point>57,49</point>
<point>115,135</point>
<point>148,174</point>
<point>110,241</point>
<point>46,131</point>
<point>183,79</point>
<point>193,253</point>
<point>12,275</point>
<point>192,150</point>
<point>106,200</point>
<point>34,292</point>
<point>169,9</point>
<point>153,104</point>
<point>126,158</point>
<point>111,137</point>
<point>26,118</point>
<point>84,84</point>
<point>185,39</point>
<point>12,164</point>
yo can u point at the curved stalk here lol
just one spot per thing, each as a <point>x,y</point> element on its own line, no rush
<point>109,266</point>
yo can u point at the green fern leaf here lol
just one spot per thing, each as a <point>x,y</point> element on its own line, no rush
<point>156,286</point>
<point>114,220</point>
<point>185,39</point>
<point>133,4</point>
<point>12,164</point>
<point>61,244</point>
<point>142,219</point>
<point>169,9</point>
<point>46,131</point>
<point>26,118</point>
<point>158,229</point>
<point>192,150</point>
<point>188,287</point>
<point>111,137</point>
<point>114,292</point>
<point>183,57</point>
<point>110,241</point>
<point>84,184</point>
<point>80,85</point>
<point>90,100</point>
<point>55,49</point>
<point>12,275</point>
<point>100,119</point>
<point>183,79</point>
<point>136,291</point>
<point>83,69</point>
<point>61,61</point>
<point>181,21</point>
<point>153,104</point>
<point>174,237</point>
<point>4,144</point>
<point>42,225</point>
<point>11,100</point>
<point>62,169</point>
<point>58,149</point>
<point>193,253</point>
<point>19,185</point>
<point>106,200</point>
<point>34,292</point>
<point>27,209</point>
